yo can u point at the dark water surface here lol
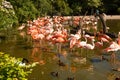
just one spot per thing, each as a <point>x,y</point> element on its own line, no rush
<point>80,64</point>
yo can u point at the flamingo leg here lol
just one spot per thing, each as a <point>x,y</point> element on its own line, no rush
<point>113,57</point>
<point>57,47</point>
<point>60,45</point>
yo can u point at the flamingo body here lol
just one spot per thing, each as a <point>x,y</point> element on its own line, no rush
<point>113,47</point>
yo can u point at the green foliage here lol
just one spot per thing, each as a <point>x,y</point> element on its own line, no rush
<point>111,7</point>
<point>11,70</point>
<point>118,10</point>
<point>7,15</point>
<point>75,6</point>
<point>31,9</point>
<point>44,7</point>
<point>61,7</point>
<point>24,9</point>
<point>77,9</point>
<point>94,3</point>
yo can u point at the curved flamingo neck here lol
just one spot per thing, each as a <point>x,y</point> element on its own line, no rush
<point>101,42</point>
<point>93,43</point>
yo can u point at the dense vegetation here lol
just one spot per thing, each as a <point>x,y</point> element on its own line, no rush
<point>11,68</point>
<point>30,9</point>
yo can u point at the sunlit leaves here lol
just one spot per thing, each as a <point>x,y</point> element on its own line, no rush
<point>24,9</point>
<point>118,10</point>
<point>44,7</point>
<point>61,7</point>
<point>94,3</point>
<point>7,15</point>
<point>11,70</point>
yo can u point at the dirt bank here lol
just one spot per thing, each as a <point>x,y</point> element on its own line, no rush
<point>113,17</point>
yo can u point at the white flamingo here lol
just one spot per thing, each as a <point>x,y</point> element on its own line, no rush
<point>90,46</point>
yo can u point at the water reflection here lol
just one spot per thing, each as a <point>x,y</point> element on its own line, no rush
<point>36,54</point>
<point>80,64</point>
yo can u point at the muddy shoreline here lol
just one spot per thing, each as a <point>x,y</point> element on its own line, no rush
<point>113,17</point>
<point>117,17</point>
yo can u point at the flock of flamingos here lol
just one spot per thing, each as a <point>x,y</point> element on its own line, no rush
<point>56,30</point>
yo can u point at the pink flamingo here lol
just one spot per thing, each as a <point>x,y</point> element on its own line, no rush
<point>118,40</point>
<point>59,37</point>
<point>104,37</point>
<point>99,44</point>
<point>81,44</point>
<point>73,41</point>
<point>85,44</point>
<point>74,38</point>
<point>113,47</point>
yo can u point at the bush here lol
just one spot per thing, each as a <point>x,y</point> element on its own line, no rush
<point>10,68</point>
<point>7,15</point>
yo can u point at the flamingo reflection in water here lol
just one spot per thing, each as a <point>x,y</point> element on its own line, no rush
<point>36,54</point>
<point>65,64</point>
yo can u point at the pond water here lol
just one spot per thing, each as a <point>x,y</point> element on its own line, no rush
<point>80,64</point>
